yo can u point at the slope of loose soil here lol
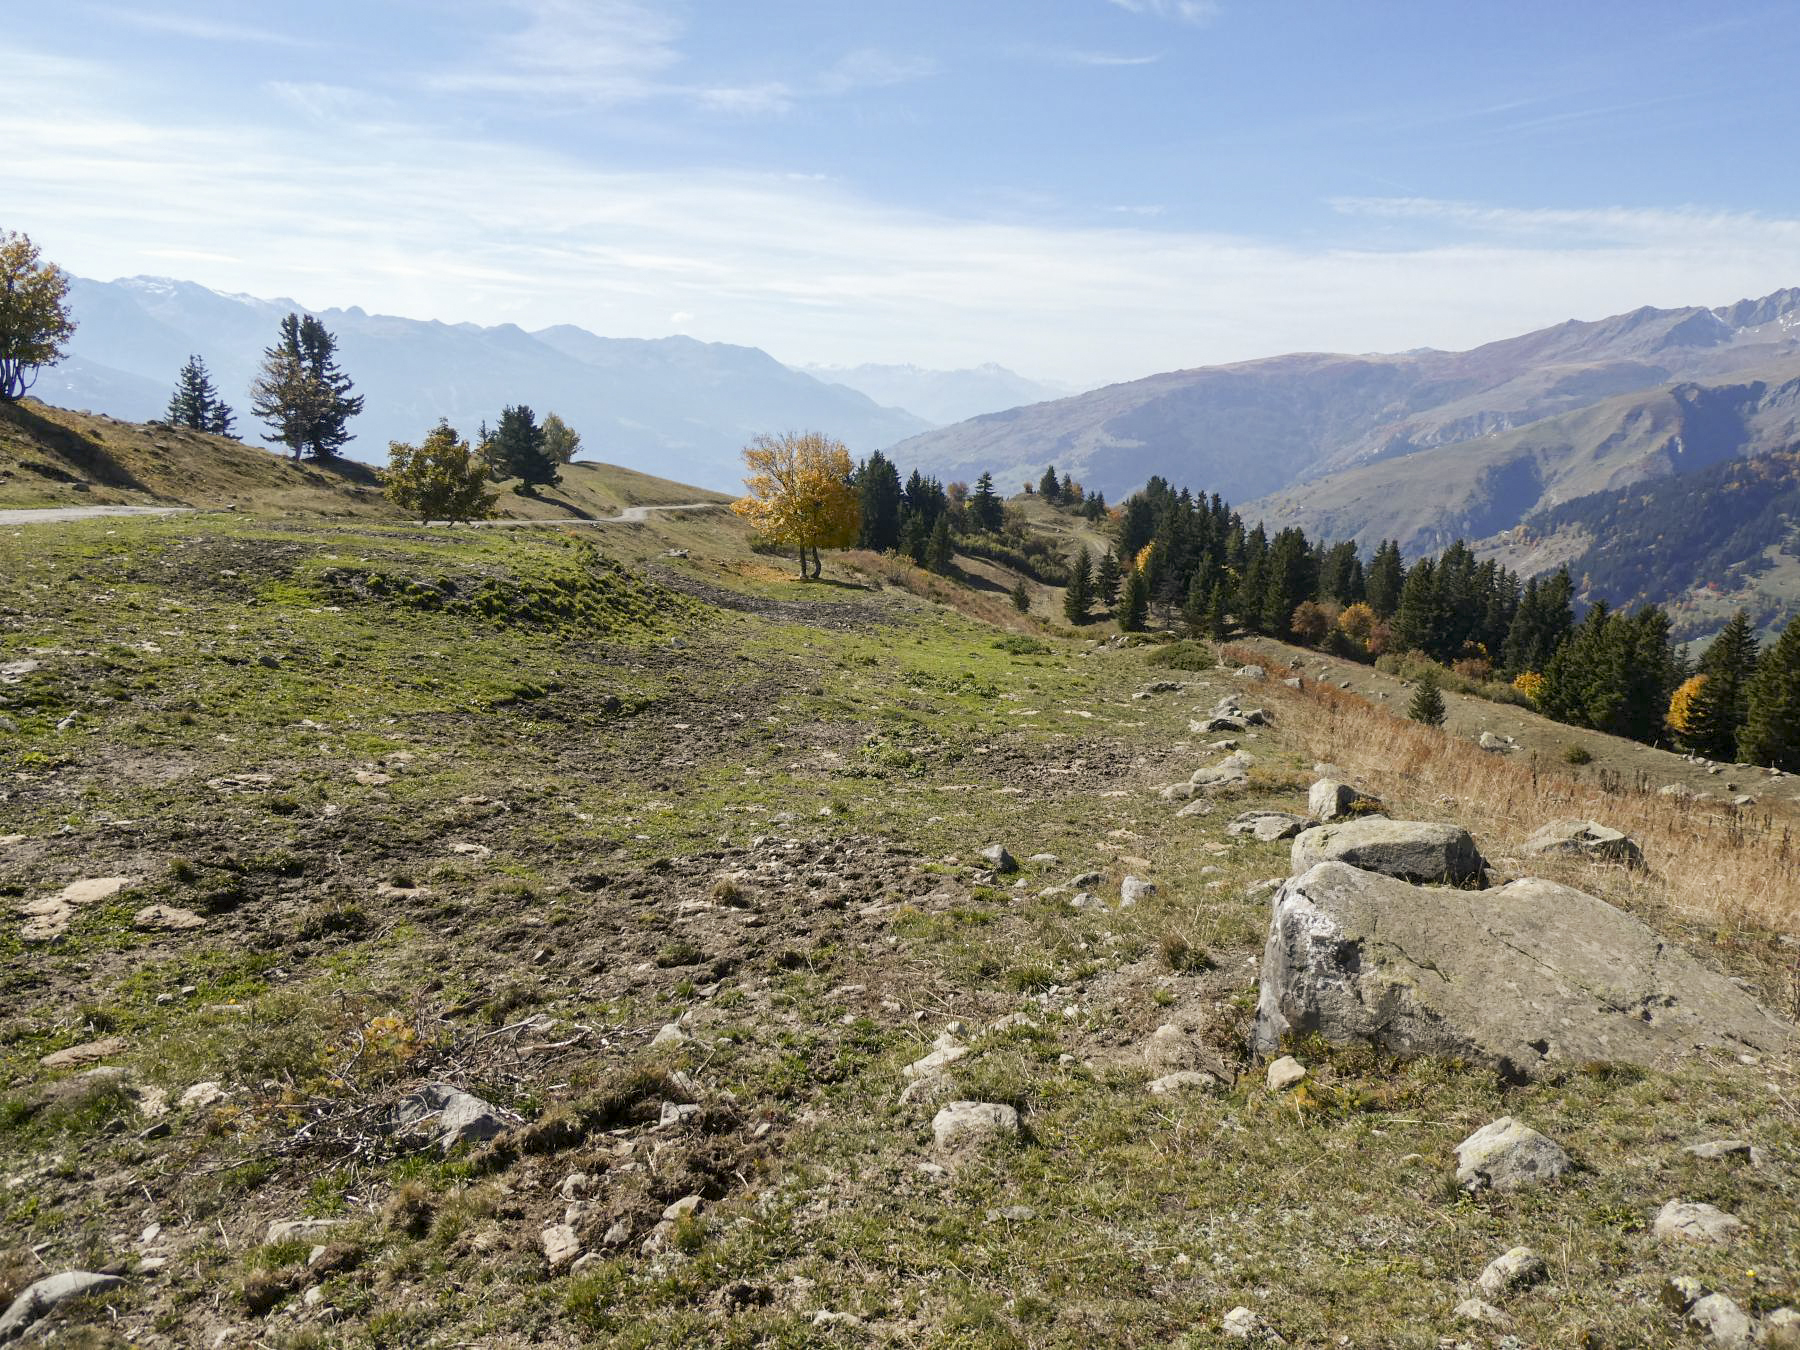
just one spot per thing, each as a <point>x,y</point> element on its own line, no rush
<point>495,808</point>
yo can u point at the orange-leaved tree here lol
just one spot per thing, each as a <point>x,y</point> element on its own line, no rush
<point>800,493</point>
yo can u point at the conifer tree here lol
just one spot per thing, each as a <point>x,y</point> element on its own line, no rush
<point>938,554</point>
<point>300,392</point>
<point>1106,579</point>
<point>517,450</point>
<point>1048,486</point>
<point>1721,704</point>
<point>1427,704</point>
<point>1416,617</point>
<point>1079,593</point>
<point>1134,602</point>
<point>878,491</point>
<point>194,399</point>
<point>985,505</point>
<point>1386,575</point>
<point>1771,731</point>
<point>1218,604</point>
<point>1021,598</point>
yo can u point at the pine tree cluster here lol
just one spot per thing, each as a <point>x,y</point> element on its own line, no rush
<point>196,403</point>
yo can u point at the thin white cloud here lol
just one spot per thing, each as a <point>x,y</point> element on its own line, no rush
<point>1078,56</point>
<point>869,68</point>
<point>202,30</point>
<point>1186,11</point>
<point>804,268</point>
<point>749,100</point>
<point>593,51</point>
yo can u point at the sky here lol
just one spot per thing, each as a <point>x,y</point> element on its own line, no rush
<point>1083,190</point>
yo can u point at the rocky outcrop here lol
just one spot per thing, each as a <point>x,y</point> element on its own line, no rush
<point>1411,850</point>
<point>1532,978</point>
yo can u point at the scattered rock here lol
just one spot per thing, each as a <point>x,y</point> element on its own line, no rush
<point>1269,826</point>
<point>89,1052</point>
<point>1584,838</point>
<point>1357,957</point>
<point>999,859</point>
<point>1722,1320</point>
<point>671,1034</point>
<point>166,919</point>
<point>945,1052</point>
<point>971,1124</point>
<point>1411,850</point>
<point>1474,1310</point>
<point>202,1095</point>
<point>1727,1150</point>
<point>449,1114</point>
<point>41,1297</point>
<point>1512,1270</point>
<point>561,1246</point>
<point>1240,1324</point>
<point>1495,745</point>
<point>1181,1080</point>
<point>1251,673</point>
<point>1134,889</point>
<point>1507,1154</point>
<point>49,916</point>
<point>1285,1073</point>
<point>1682,1221</point>
<point>826,1318</point>
<point>1329,799</point>
<point>684,1208</point>
<point>1231,772</point>
<point>299,1230</point>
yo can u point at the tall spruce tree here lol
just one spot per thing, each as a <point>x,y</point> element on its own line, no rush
<point>1134,601</point>
<point>1771,731</point>
<point>1386,575</point>
<point>985,505</point>
<point>302,394</point>
<point>1049,488</point>
<point>1417,621</point>
<point>194,399</point>
<point>1106,579</point>
<point>938,553</point>
<point>878,493</point>
<point>1079,593</point>
<point>1721,705</point>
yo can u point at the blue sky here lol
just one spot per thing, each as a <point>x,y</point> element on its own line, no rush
<point>1085,190</point>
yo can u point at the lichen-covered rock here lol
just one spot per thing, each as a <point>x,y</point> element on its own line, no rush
<point>1330,800</point>
<point>1413,850</point>
<point>966,1124</point>
<point>1685,1221</point>
<point>1507,1154</point>
<point>1269,826</point>
<point>1511,1270</point>
<point>1529,978</point>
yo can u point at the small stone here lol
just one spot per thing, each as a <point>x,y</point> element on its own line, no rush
<point>314,1296</point>
<point>618,1235</point>
<point>1722,1320</point>
<point>561,1246</point>
<point>1681,1221</point>
<point>166,919</point>
<point>826,1318</point>
<point>996,857</point>
<point>297,1230</point>
<point>202,1095</point>
<point>961,1124</point>
<point>1240,1324</point>
<point>1511,1270</point>
<point>671,1034</point>
<point>1507,1154</point>
<point>89,1052</point>
<point>1134,889</point>
<point>1474,1310</point>
<point>684,1208</point>
<point>1285,1073</point>
<point>1182,1080</point>
<point>1727,1150</point>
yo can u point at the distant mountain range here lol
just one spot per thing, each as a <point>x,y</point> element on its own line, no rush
<point>673,406</point>
<point>941,396</point>
<point>1423,446</point>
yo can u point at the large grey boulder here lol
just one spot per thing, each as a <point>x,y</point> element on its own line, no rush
<point>1684,1221</point>
<point>1413,850</point>
<point>1331,800</point>
<point>1584,838</point>
<point>41,1297</point>
<point>1532,978</point>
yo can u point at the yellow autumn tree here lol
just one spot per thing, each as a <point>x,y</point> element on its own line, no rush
<point>1682,705</point>
<point>1530,684</point>
<point>1358,623</point>
<point>800,493</point>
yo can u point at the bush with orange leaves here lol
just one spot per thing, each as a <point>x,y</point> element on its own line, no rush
<point>1530,684</point>
<point>800,493</point>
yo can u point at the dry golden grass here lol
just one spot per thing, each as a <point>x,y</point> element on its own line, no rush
<point>1708,862</point>
<point>988,606</point>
